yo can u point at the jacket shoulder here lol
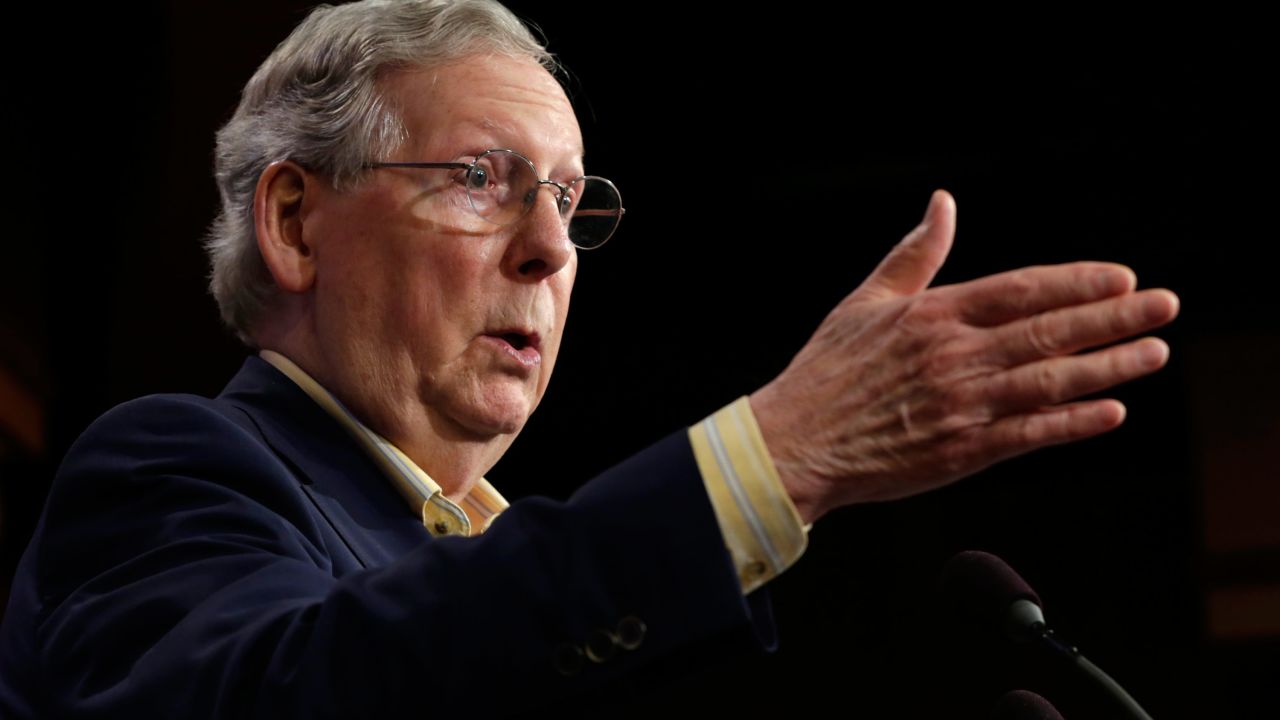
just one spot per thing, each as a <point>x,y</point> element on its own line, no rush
<point>161,468</point>
<point>162,436</point>
<point>159,417</point>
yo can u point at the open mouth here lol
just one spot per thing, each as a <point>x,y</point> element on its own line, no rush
<point>517,340</point>
<point>520,346</point>
<point>520,342</point>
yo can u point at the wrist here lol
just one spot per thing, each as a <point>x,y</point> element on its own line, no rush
<point>803,487</point>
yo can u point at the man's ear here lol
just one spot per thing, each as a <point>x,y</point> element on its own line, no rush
<point>277,220</point>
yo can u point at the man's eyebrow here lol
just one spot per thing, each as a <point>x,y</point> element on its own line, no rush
<point>490,125</point>
<point>487,123</point>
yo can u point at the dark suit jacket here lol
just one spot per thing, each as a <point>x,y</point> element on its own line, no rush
<point>243,557</point>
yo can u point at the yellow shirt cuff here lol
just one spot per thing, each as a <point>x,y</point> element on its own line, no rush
<point>760,524</point>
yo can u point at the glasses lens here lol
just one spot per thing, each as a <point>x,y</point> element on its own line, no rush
<point>501,184</point>
<point>596,213</point>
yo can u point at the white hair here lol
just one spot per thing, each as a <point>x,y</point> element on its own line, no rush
<point>316,101</point>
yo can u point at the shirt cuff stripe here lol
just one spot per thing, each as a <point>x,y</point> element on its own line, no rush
<point>761,527</point>
<point>739,493</point>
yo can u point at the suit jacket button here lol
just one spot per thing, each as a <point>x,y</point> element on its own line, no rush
<point>567,659</point>
<point>601,646</point>
<point>630,633</point>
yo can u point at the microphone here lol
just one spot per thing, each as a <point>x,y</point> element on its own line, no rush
<point>1024,705</point>
<point>987,589</point>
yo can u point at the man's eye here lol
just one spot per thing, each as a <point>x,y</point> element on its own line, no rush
<point>477,179</point>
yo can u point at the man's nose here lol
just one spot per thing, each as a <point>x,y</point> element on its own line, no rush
<point>540,246</point>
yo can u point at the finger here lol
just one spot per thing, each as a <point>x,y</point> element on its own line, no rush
<point>1017,434</point>
<point>1056,380</point>
<point>1017,294</point>
<point>912,264</point>
<point>1068,330</point>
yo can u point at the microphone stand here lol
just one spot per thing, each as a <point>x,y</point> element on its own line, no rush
<point>1043,634</point>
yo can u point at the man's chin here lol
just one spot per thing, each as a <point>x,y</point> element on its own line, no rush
<point>498,417</point>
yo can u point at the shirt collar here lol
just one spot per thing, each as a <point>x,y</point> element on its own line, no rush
<point>440,515</point>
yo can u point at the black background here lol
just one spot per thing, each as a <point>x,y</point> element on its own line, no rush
<point>767,159</point>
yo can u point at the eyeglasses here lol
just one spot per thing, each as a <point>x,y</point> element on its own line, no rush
<point>502,185</point>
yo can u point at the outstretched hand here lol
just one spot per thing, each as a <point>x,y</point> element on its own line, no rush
<point>903,388</point>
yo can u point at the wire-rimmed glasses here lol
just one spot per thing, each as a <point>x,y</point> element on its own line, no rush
<point>502,185</point>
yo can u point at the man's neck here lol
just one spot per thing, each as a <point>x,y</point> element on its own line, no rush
<point>453,457</point>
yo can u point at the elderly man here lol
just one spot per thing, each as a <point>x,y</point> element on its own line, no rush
<point>403,200</point>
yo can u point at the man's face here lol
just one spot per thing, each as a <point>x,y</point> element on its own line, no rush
<point>430,317</point>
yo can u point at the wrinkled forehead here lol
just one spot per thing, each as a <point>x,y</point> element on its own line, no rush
<point>486,101</point>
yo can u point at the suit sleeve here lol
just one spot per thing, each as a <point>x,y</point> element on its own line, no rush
<point>180,574</point>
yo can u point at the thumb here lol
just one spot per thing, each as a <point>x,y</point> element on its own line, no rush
<point>911,265</point>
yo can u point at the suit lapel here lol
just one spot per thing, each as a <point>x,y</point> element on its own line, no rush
<point>347,488</point>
